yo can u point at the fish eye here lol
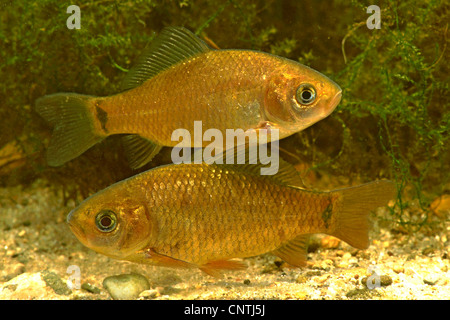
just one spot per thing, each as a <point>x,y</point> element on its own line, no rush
<point>106,221</point>
<point>306,94</point>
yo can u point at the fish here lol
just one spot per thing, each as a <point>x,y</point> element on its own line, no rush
<point>205,216</point>
<point>179,80</point>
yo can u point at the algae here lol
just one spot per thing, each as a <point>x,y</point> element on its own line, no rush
<point>393,121</point>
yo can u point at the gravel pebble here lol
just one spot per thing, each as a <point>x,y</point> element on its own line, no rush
<point>11,271</point>
<point>27,286</point>
<point>398,269</point>
<point>330,242</point>
<point>384,281</point>
<point>90,288</point>
<point>126,286</point>
<point>301,279</point>
<point>431,279</point>
<point>149,294</point>
<point>362,294</point>
<point>55,282</point>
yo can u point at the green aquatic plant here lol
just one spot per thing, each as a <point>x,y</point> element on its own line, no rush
<point>396,78</point>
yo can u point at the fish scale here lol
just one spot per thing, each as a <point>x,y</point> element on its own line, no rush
<point>218,202</point>
<point>160,117</point>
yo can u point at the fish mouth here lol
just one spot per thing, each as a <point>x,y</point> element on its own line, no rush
<point>331,105</point>
<point>335,100</point>
<point>79,232</point>
<point>69,219</point>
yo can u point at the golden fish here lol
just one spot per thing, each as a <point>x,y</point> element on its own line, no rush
<point>179,80</point>
<point>201,216</point>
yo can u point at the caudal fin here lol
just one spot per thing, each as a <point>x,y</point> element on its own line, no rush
<point>357,202</point>
<point>73,122</point>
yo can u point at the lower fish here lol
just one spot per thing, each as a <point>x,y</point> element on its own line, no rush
<point>202,216</point>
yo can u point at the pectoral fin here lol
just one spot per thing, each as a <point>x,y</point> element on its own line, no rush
<point>212,268</point>
<point>150,256</point>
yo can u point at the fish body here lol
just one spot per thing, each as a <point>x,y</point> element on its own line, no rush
<point>179,80</point>
<point>199,215</point>
<point>234,97</point>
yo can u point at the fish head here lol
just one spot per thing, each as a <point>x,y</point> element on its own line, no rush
<point>113,222</point>
<point>297,96</point>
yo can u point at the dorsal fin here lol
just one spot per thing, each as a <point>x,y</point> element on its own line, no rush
<point>285,174</point>
<point>172,45</point>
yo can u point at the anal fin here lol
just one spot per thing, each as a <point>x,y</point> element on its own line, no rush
<point>139,150</point>
<point>294,252</point>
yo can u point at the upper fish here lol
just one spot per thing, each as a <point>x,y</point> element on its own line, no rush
<point>179,80</point>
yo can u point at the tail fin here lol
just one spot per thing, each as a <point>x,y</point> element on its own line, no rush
<point>73,122</point>
<point>357,202</point>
